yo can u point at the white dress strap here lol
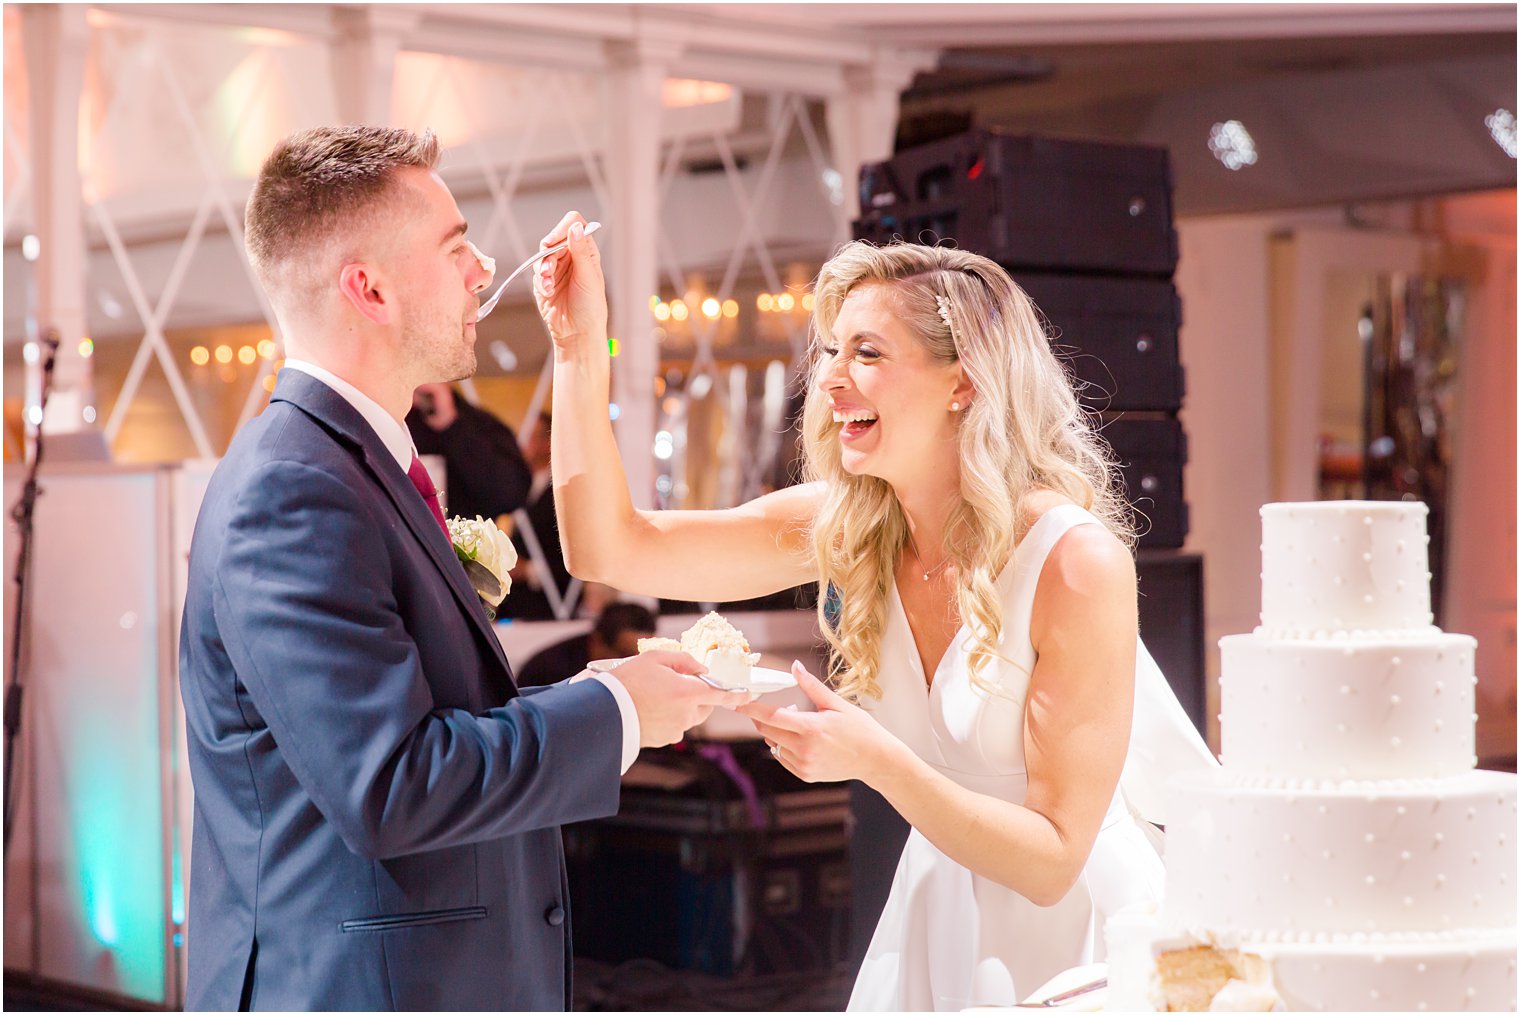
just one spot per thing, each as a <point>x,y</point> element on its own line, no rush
<point>1047,531</point>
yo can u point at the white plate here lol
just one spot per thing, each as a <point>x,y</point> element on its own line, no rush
<point>762,679</point>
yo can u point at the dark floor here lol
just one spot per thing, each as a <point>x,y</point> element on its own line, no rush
<point>643,985</point>
<point>640,985</point>
<point>22,993</point>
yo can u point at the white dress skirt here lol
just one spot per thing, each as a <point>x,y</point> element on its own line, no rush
<point>949,939</point>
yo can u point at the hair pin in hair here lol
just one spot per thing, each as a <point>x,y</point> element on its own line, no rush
<point>944,311</point>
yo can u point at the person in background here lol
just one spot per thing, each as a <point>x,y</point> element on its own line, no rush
<point>485,472</point>
<point>529,600</point>
<point>615,635</point>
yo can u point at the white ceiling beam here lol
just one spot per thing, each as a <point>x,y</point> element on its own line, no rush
<point>753,74</point>
<point>763,54</point>
<point>983,25</point>
<point>590,21</point>
<point>312,20</point>
<point>847,33</point>
<point>700,25</point>
<point>775,39</point>
<point>492,42</point>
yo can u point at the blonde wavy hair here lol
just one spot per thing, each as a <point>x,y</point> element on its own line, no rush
<point>1023,430</point>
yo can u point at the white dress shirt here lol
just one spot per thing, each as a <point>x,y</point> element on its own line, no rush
<point>398,441</point>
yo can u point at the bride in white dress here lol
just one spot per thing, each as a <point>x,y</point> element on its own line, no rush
<point>980,604</point>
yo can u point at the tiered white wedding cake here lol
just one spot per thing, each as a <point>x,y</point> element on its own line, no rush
<point>1346,856</point>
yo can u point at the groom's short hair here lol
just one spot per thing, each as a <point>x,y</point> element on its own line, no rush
<point>320,181</point>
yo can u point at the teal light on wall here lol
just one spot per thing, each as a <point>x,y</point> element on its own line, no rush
<point>98,816</point>
<point>118,827</point>
<point>99,907</point>
<point>177,889</point>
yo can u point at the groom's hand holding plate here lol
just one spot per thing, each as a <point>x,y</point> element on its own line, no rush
<point>670,695</point>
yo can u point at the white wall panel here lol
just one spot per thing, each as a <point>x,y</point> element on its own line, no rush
<point>100,710</point>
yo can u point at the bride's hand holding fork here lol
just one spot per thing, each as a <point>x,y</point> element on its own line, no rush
<point>571,292</point>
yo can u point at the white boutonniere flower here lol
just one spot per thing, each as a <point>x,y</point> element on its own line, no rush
<point>487,555</point>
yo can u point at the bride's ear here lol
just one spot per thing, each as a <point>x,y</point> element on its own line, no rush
<point>964,391</point>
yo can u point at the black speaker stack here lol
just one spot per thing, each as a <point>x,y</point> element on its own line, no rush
<point>1086,229</point>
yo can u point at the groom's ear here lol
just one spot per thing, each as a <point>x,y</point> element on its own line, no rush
<point>360,285</point>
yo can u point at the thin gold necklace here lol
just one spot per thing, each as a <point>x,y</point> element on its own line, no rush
<point>931,572</point>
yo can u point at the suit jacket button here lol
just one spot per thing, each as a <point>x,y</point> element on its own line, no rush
<point>555,916</point>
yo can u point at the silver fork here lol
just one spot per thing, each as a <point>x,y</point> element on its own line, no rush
<point>490,304</point>
<point>1056,1000</point>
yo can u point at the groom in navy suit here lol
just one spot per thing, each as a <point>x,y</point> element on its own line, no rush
<point>376,803</point>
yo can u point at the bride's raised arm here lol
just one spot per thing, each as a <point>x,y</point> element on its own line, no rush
<point>708,556</point>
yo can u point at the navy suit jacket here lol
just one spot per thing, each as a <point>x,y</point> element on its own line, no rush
<point>376,805</point>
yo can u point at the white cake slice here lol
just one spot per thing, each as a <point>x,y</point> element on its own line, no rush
<point>722,649</point>
<point>715,643</point>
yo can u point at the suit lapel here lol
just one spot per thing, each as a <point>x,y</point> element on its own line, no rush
<point>330,409</point>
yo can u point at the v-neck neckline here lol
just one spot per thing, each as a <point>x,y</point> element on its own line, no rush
<point>902,610</point>
<point>918,658</point>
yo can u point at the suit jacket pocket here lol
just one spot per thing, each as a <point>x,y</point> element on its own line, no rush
<point>403,920</point>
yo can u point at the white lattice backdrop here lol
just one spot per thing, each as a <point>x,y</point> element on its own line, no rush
<point>221,95</point>
<point>750,430</point>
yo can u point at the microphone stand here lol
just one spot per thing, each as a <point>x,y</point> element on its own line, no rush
<point>22,514</point>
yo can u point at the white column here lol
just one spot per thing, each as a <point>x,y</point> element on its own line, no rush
<point>863,120</point>
<point>1480,528</point>
<point>364,59</point>
<point>55,38</point>
<point>637,72</point>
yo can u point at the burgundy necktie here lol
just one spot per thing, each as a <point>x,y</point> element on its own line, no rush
<point>418,474</point>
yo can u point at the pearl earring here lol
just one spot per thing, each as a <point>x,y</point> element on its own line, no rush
<point>955,407</point>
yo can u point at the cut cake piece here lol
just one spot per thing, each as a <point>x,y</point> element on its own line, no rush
<point>1198,978</point>
<point>722,649</point>
<point>717,644</point>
